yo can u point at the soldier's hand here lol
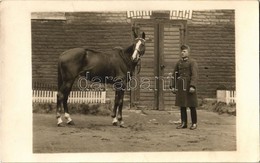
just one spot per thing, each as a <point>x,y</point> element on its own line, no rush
<point>192,90</point>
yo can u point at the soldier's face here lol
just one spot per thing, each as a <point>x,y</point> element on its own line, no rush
<point>185,53</point>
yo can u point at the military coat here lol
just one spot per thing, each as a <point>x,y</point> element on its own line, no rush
<point>185,76</point>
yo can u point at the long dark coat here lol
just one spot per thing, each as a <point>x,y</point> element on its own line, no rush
<point>185,76</point>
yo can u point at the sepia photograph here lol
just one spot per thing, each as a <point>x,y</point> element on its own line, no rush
<point>109,81</point>
<point>126,78</point>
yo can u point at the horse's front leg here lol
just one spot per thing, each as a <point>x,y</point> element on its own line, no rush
<point>114,113</point>
<point>120,108</point>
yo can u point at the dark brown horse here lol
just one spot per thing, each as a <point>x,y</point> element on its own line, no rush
<point>115,66</point>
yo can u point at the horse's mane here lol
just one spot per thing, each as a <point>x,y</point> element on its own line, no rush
<point>128,50</point>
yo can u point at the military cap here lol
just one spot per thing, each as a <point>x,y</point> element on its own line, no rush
<point>183,47</point>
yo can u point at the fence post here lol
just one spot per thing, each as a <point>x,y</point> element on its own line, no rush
<point>103,97</point>
<point>227,96</point>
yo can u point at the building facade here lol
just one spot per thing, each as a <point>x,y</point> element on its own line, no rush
<point>210,34</point>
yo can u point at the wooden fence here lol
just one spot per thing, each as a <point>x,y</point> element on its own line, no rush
<point>227,96</point>
<point>44,93</point>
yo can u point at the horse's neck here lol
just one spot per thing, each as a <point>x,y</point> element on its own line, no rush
<point>129,51</point>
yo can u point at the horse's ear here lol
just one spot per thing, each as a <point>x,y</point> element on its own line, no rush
<point>135,35</point>
<point>143,35</point>
<point>133,29</point>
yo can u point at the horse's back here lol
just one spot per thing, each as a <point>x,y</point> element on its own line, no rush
<point>72,53</point>
<point>83,59</point>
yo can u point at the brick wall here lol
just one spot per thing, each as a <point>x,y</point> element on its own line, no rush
<point>211,35</point>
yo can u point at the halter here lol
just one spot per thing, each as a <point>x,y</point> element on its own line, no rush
<point>140,39</point>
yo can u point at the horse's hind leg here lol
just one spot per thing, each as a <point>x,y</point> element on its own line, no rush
<point>62,98</point>
<point>67,90</point>
<point>59,109</point>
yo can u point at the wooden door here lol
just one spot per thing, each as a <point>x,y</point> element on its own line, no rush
<point>162,52</point>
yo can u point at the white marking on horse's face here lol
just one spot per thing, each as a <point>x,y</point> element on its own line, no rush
<point>135,55</point>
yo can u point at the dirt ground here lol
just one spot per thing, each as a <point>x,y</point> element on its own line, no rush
<point>149,131</point>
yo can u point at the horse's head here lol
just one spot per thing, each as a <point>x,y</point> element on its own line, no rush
<point>139,48</point>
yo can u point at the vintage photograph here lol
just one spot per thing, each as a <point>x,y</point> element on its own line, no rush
<point>134,81</point>
<point>129,81</point>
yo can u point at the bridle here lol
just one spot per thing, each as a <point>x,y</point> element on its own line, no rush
<point>137,52</point>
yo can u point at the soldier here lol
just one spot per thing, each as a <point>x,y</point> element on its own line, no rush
<point>184,84</point>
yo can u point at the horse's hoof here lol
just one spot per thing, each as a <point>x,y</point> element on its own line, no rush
<point>71,123</point>
<point>60,125</point>
<point>114,123</point>
<point>122,125</point>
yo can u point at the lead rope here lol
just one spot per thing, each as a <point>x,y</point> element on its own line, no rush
<point>138,66</point>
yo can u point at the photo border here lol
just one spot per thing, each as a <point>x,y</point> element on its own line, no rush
<point>16,91</point>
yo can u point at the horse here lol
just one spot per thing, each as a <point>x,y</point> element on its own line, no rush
<point>116,66</point>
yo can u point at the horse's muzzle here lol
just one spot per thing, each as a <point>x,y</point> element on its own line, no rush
<point>136,60</point>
